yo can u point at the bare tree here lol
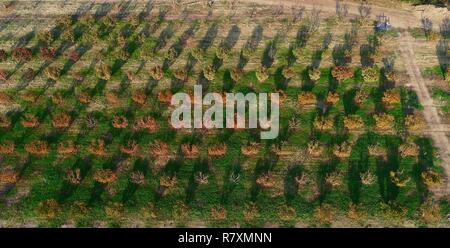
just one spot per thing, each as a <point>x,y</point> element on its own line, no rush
<point>341,9</point>
<point>210,3</point>
<point>445,28</point>
<point>278,11</point>
<point>314,20</point>
<point>427,26</point>
<point>297,12</point>
<point>252,12</point>
<point>364,9</point>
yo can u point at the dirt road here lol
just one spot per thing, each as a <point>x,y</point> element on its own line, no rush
<point>401,16</point>
<point>430,111</point>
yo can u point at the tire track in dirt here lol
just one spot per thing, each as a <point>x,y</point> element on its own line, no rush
<point>430,111</point>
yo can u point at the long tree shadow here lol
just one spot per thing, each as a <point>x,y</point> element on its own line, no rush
<point>67,190</point>
<point>164,37</point>
<point>325,169</point>
<point>170,169</point>
<point>442,49</point>
<point>140,165</point>
<point>263,165</point>
<point>269,54</point>
<point>425,162</point>
<point>179,45</point>
<point>388,190</point>
<point>201,165</point>
<point>290,183</point>
<point>231,179</point>
<point>251,45</point>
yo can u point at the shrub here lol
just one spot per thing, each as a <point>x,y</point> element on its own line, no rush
<point>156,73</point>
<point>266,180</point>
<point>209,72</point>
<point>431,178</point>
<point>251,212</point>
<point>47,53</point>
<point>414,122</point>
<point>58,98</point>
<point>103,71</point>
<point>7,147</point>
<point>235,74</point>
<point>165,96</point>
<point>52,72</point>
<point>97,147</point>
<point>48,208</point>
<point>307,98</point>
<point>384,122</point>
<point>45,37</point>
<point>399,178</point>
<point>288,73</point>
<point>3,75</point>
<point>66,148</point>
<point>3,55</point>
<point>74,56</point>
<point>377,150</point>
<point>37,147</point>
<point>342,72</point>
<point>360,97</point>
<point>120,122</point>
<point>61,120</point>
<point>5,99</point>
<point>139,97</point>
<point>286,213</point>
<point>105,176</point>
<point>159,149</point>
<point>262,74</point>
<point>323,123</point>
<point>430,212</point>
<point>391,97</point>
<point>29,120</point>
<point>5,122</point>
<point>189,150</point>
<point>315,149</point>
<point>324,214</point>
<point>218,150</point>
<point>73,176</point>
<point>408,149</point>
<point>148,123</point>
<point>251,149</point>
<point>391,76</point>
<point>9,177</point>
<point>138,178</point>
<point>218,213</point>
<point>131,148</point>
<point>222,53</point>
<point>333,179</point>
<point>167,181</point>
<point>201,178</point>
<point>28,74</point>
<point>342,150</point>
<point>297,52</point>
<point>370,74</point>
<point>180,74</point>
<point>197,54</point>
<point>314,74</point>
<point>353,122</point>
<point>112,98</point>
<point>22,54</point>
<point>332,98</point>
<point>367,178</point>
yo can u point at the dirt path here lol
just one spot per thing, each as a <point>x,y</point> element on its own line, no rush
<point>402,16</point>
<point>430,111</point>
